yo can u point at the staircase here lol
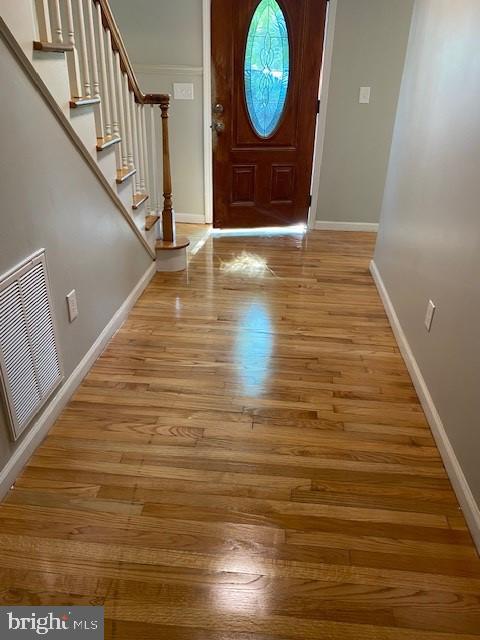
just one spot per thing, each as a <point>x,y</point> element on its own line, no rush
<point>77,51</point>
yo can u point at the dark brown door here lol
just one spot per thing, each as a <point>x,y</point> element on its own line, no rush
<point>266,57</point>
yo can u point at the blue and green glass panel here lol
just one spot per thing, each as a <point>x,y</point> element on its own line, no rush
<point>267,67</point>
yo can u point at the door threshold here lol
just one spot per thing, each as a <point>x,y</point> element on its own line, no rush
<point>294,229</point>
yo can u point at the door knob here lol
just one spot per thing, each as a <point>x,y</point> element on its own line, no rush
<point>219,127</point>
<point>218,108</point>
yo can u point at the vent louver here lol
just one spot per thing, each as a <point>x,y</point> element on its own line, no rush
<point>30,366</point>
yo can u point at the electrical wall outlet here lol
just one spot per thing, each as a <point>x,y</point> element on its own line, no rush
<point>72,305</point>
<point>429,315</point>
<point>364,97</point>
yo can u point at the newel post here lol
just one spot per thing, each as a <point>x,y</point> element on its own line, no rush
<point>168,222</point>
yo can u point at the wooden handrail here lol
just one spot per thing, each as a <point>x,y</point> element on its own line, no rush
<point>109,23</point>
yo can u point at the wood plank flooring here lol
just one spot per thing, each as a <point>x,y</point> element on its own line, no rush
<point>248,460</point>
<point>196,233</point>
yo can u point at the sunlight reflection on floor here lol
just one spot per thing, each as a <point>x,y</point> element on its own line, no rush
<point>253,348</point>
<point>246,264</point>
<point>294,229</point>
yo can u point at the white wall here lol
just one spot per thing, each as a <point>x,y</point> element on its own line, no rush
<point>369,45</point>
<point>161,31</point>
<point>164,43</point>
<point>429,240</point>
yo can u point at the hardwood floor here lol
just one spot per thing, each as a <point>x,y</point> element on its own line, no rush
<point>196,233</point>
<point>248,460</point>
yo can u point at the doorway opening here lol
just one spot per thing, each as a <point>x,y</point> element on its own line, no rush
<point>266,63</point>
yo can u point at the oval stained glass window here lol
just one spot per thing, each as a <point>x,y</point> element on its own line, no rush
<point>267,67</point>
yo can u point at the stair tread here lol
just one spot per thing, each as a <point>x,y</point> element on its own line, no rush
<point>151,221</point>
<point>139,199</point>
<point>52,47</point>
<point>180,243</point>
<point>108,141</point>
<point>124,174</point>
<point>83,102</point>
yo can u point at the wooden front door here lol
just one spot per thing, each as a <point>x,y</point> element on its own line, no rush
<point>266,61</point>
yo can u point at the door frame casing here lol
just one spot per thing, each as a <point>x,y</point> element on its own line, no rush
<point>207,110</point>
<point>321,119</point>
<point>322,114</point>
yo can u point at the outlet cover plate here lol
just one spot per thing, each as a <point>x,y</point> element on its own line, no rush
<point>183,91</point>
<point>429,315</point>
<point>364,97</point>
<point>72,305</point>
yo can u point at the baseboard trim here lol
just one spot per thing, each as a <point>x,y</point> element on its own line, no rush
<point>44,422</point>
<point>469,506</point>
<point>325,225</point>
<point>192,218</point>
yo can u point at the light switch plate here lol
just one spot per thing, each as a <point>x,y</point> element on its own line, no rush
<point>364,97</point>
<point>429,315</point>
<point>72,305</point>
<point>183,90</point>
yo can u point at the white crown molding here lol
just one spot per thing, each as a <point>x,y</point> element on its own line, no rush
<point>325,225</point>
<point>168,69</point>
<point>470,508</point>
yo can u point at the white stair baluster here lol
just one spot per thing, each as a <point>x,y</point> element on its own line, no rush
<point>150,204</point>
<point>94,66</point>
<point>82,45</point>
<point>141,158</point>
<point>103,74</point>
<point>121,111</point>
<point>105,89</point>
<point>43,20</point>
<point>153,142</point>
<point>143,111</point>
<point>128,122</point>
<point>57,22</point>
<point>72,56</point>
<point>136,154</point>
<point>113,97</point>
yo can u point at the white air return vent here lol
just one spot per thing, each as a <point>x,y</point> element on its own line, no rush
<point>30,366</point>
